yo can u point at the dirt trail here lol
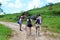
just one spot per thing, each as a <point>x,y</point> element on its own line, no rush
<point>22,35</point>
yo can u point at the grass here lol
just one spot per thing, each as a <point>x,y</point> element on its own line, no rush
<point>50,17</point>
<point>10,17</point>
<point>4,32</point>
<point>52,23</point>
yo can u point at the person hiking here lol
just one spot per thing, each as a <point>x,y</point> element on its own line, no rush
<point>20,22</point>
<point>29,24</point>
<point>38,25</point>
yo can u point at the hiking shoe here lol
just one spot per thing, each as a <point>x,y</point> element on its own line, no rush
<point>20,30</point>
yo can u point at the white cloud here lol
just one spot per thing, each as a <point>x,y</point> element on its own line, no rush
<point>34,3</point>
<point>1,13</point>
<point>30,5</point>
<point>38,3</point>
<point>4,1</point>
<point>53,1</point>
<point>14,6</point>
<point>17,4</point>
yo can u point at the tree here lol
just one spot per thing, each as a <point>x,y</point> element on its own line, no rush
<point>0,4</point>
<point>1,10</point>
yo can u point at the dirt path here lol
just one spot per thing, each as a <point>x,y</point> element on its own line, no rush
<point>22,35</point>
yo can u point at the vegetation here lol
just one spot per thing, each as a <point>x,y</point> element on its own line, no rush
<point>51,17</point>
<point>4,32</point>
<point>10,17</point>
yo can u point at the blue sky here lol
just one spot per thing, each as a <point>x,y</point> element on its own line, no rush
<point>13,6</point>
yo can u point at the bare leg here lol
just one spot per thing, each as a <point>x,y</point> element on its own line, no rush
<point>20,27</point>
<point>36,31</point>
<point>30,30</point>
<point>40,28</point>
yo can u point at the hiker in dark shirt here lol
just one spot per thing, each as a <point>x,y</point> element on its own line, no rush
<point>29,24</point>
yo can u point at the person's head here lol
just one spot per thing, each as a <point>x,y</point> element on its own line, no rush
<point>21,17</point>
<point>39,15</point>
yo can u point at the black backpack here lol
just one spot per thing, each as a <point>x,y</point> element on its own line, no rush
<point>29,21</point>
<point>37,21</point>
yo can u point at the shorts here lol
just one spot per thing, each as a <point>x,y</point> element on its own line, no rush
<point>19,22</point>
<point>29,25</point>
<point>38,25</point>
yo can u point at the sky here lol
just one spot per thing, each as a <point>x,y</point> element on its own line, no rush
<point>15,6</point>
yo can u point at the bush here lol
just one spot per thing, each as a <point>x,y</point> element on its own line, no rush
<point>56,12</point>
<point>1,16</point>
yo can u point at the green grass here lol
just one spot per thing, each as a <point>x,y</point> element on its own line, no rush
<point>10,17</point>
<point>50,17</point>
<point>53,23</point>
<point>4,32</point>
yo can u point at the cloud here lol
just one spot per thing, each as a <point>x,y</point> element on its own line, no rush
<point>17,4</point>
<point>34,4</point>
<point>30,5</point>
<point>53,1</point>
<point>39,3</point>
<point>10,6</point>
<point>1,13</point>
<point>4,1</point>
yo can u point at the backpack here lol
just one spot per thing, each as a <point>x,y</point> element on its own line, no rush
<point>34,17</point>
<point>37,21</point>
<point>29,21</point>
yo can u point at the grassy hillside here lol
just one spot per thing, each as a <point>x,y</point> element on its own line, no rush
<point>4,32</point>
<point>9,17</point>
<point>50,15</point>
<point>45,10</point>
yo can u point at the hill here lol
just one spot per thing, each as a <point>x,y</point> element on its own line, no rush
<point>50,14</point>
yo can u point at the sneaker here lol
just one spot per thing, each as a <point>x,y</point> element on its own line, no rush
<point>20,30</point>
